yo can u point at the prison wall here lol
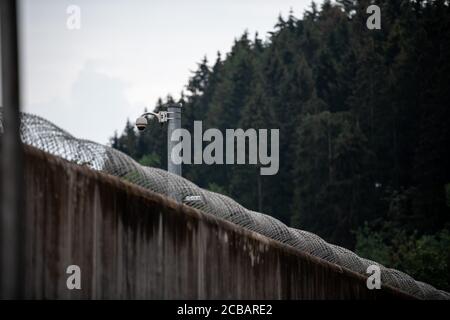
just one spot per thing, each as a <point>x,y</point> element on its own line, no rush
<point>131,243</point>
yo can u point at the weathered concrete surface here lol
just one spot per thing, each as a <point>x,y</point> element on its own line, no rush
<point>134,244</point>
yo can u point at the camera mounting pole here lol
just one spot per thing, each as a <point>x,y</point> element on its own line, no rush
<point>173,118</point>
<point>174,123</point>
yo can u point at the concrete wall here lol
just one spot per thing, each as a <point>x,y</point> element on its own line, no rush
<point>134,244</point>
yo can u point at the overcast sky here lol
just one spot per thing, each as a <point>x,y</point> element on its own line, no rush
<point>126,54</point>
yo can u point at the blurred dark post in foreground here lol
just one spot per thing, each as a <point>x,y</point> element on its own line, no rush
<point>12,213</point>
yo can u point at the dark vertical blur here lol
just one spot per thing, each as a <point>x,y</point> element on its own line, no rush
<point>12,213</point>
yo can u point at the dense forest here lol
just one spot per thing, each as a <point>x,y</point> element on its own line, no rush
<point>364,128</point>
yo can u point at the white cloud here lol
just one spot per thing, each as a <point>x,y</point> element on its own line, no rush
<point>96,103</point>
<point>129,53</point>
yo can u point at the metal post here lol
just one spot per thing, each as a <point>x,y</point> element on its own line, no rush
<point>12,213</point>
<point>174,122</point>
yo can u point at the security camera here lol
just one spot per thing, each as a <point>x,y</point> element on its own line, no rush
<point>141,123</point>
